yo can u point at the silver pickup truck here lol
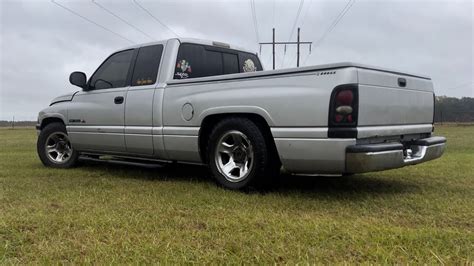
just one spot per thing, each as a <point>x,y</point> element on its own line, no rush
<point>193,101</point>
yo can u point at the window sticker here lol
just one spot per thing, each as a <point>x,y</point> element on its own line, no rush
<point>185,68</point>
<point>143,81</point>
<point>249,66</point>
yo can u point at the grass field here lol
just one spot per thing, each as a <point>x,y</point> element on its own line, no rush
<point>101,213</point>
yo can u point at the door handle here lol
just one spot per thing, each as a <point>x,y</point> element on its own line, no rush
<point>118,100</point>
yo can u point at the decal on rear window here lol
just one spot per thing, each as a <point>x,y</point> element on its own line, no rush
<point>249,66</point>
<point>183,69</point>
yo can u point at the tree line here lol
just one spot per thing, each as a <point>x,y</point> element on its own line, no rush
<point>450,109</point>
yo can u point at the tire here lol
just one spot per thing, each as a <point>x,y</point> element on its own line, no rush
<point>239,155</point>
<point>54,148</point>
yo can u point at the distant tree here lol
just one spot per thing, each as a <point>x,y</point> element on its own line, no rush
<point>5,123</point>
<point>450,109</point>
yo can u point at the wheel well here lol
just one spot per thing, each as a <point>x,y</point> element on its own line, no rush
<point>50,120</point>
<point>210,121</point>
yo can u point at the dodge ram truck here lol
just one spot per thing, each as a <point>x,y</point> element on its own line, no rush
<point>210,103</point>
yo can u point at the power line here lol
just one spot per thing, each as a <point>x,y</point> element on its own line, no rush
<point>296,19</point>
<point>306,13</point>
<point>294,25</point>
<point>336,21</point>
<point>298,44</point>
<point>301,25</point>
<point>155,18</point>
<point>90,21</point>
<point>273,15</point>
<point>121,19</point>
<point>254,17</point>
<point>269,57</point>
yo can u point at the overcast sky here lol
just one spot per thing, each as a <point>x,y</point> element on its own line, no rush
<point>41,43</point>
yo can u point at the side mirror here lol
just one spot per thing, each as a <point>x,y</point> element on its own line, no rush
<point>79,79</point>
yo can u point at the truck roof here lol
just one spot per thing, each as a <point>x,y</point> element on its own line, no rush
<point>196,41</point>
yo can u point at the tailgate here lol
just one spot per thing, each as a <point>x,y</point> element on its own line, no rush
<point>394,103</point>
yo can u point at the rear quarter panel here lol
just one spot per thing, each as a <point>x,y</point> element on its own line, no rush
<point>297,100</point>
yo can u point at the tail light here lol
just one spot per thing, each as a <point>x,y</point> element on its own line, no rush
<point>343,111</point>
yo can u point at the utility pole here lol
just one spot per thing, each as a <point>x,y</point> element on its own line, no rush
<point>298,43</point>
<point>298,49</point>
<point>13,123</point>
<point>273,48</point>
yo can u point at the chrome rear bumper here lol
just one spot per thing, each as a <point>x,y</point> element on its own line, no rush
<point>378,157</point>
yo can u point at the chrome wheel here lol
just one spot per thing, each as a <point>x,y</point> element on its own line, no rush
<point>58,148</point>
<point>234,156</point>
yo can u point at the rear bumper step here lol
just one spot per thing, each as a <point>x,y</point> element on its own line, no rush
<point>378,157</point>
<point>429,141</point>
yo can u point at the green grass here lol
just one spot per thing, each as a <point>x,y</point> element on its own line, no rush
<point>100,213</point>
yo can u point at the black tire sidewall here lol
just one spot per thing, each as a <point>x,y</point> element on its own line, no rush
<point>257,140</point>
<point>40,146</point>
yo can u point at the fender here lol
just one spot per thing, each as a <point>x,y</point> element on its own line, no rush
<point>237,109</point>
<point>57,111</point>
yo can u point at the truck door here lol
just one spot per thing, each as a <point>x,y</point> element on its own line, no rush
<point>140,101</point>
<point>96,116</point>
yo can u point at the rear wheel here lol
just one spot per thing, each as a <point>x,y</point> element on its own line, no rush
<point>239,155</point>
<point>54,147</point>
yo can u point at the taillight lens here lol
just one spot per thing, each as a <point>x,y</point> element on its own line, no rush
<point>344,97</point>
<point>344,106</point>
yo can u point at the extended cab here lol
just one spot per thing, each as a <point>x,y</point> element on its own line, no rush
<point>205,102</point>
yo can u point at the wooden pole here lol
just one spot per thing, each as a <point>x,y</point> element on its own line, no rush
<point>298,49</point>
<point>273,44</point>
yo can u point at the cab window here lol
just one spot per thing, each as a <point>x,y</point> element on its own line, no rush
<point>113,72</point>
<point>230,63</point>
<point>147,65</point>
<point>196,61</point>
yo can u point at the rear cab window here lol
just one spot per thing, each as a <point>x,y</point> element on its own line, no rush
<point>195,60</point>
<point>249,62</point>
<point>230,63</point>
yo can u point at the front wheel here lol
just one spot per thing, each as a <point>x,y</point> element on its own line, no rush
<point>54,148</point>
<point>239,155</point>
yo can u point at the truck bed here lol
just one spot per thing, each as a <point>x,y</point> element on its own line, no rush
<point>299,98</point>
